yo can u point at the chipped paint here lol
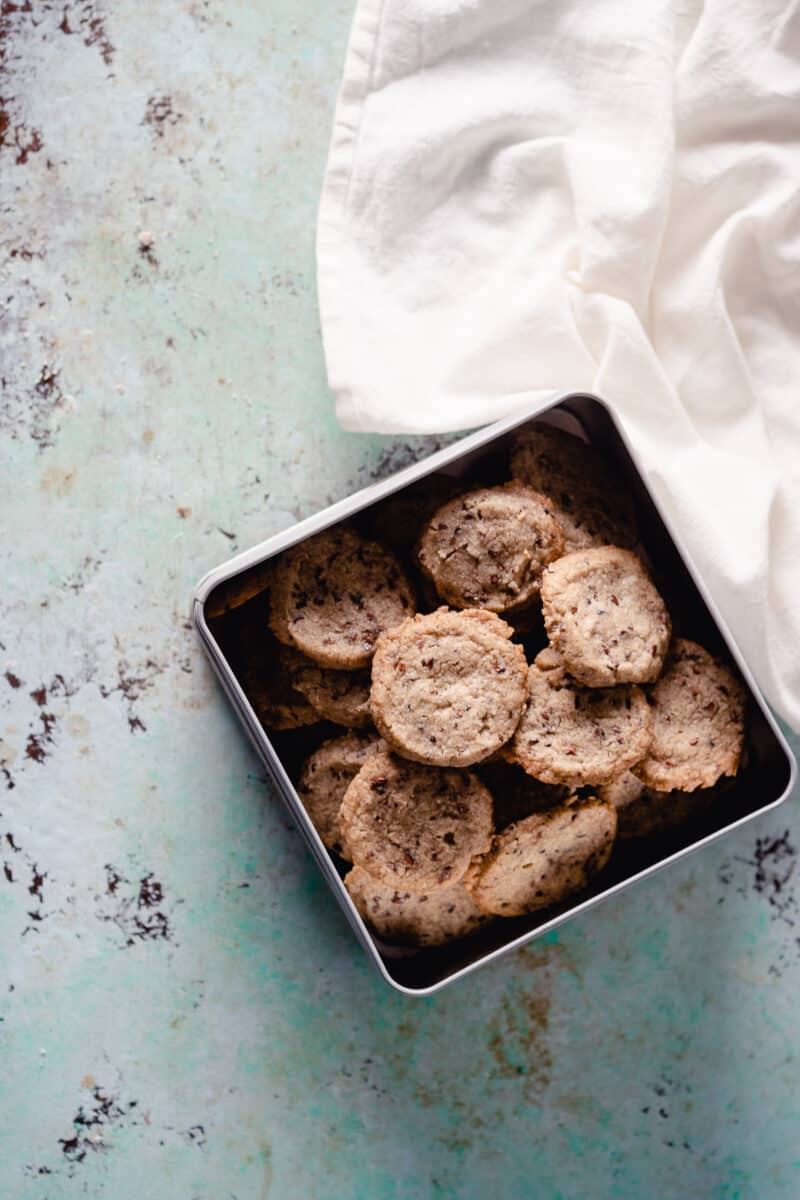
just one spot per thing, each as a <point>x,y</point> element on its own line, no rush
<point>183,1011</point>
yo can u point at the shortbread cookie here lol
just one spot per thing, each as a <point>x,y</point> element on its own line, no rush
<point>590,502</point>
<point>698,732</point>
<point>414,918</point>
<point>333,595</point>
<point>543,859</point>
<point>579,736</point>
<point>339,696</point>
<point>605,617</point>
<point>415,827</point>
<point>266,679</point>
<point>325,778</point>
<point>448,688</point>
<point>487,548</point>
<point>643,812</point>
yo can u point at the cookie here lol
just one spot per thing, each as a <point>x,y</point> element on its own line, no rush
<point>339,696</point>
<point>698,730</point>
<point>414,918</point>
<point>643,812</point>
<point>588,499</point>
<point>415,827</point>
<point>487,548</point>
<point>515,793</point>
<point>333,594</point>
<point>604,616</point>
<point>577,736</point>
<point>266,679</point>
<point>543,859</point>
<point>448,688</point>
<point>325,778</point>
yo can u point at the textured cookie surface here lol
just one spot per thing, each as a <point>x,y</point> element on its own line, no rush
<point>589,501</point>
<point>448,687</point>
<point>414,918</point>
<point>333,594</point>
<point>576,735</point>
<point>604,616</point>
<point>543,859</point>
<point>339,696</point>
<point>325,778</point>
<point>487,548</point>
<point>699,709</point>
<point>643,812</point>
<point>412,826</point>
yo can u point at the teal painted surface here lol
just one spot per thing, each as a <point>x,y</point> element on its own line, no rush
<point>184,1012</point>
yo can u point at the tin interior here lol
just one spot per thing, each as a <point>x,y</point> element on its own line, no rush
<point>763,779</point>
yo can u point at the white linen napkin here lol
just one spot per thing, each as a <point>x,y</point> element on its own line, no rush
<point>530,195</point>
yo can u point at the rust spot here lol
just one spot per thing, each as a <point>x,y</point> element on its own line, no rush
<point>91,24</point>
<point>158,113</point>
<point>13,680</point>
<point>183,512</point>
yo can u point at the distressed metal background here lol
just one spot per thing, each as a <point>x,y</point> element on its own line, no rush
<point>183,1012</point>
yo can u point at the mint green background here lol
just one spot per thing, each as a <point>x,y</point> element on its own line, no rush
<point>229,1040</point>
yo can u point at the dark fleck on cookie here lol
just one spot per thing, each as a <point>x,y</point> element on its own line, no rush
<point>448,687</point>
<point>333,595</point>
<point>415,827</point>
<point>576,736</point>
<point>643,812</point>
<point>339,696</point>
<point>487,548</point>
<point>698,731</point>
<point>414,918</point>
<point>543,859</point>
<point>589,502</point>
<point>325,778</point>
<point>604,616</point>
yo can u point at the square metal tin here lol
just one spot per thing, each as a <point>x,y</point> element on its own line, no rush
<point>765,780</point>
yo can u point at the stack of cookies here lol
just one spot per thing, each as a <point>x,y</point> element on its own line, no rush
<point>512,694</point>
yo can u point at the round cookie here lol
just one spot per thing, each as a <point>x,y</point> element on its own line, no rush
<point>415,827</point>
<point>448,688</point>
<point>578,736</point>
<point>604,617</point>
<point>267,682</point>
<point>698,728</point>
<point>589,502</point>
<point>414,918</point>
<point>333,594</point>
<point>543,859</point>
<point>325,778</point>
<point>643,812</point>
<point>339,696</point>
<point>487,548</point>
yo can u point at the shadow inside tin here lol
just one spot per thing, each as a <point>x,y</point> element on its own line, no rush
<point>240,634</point>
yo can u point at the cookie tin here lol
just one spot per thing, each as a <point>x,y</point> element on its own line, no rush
<point>765,779</point>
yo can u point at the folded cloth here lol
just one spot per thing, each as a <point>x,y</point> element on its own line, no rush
<point>525,196</point>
